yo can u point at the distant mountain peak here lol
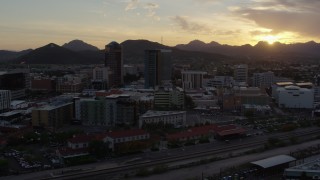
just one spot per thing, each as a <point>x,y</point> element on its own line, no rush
<point>52,45</point>
<point>79,45</point>
<point>214,43</point>
<point>263,44</point>
<point>196,42</point>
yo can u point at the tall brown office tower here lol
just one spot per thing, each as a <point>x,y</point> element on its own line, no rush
<point>113,60</point>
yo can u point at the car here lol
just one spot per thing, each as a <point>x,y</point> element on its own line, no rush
<point>46,166</point>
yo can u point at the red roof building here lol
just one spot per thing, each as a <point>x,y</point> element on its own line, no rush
<point>220,131</point>
<point>124,136</point>
<point>108,93</point>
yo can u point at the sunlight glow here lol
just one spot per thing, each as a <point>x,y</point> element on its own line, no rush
<point>270,39</point>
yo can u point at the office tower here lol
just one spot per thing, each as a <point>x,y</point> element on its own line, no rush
<point>316,90</point>
<point>5,100</point>
<point>114,61</point>
<point>241,73</point>
<point>158,67</point>
<point>192,79</point>
<point>263,80</point>
<point>317,80</point>
<point>52,116</point>
<point>100,78</point>
<point>17,81</point>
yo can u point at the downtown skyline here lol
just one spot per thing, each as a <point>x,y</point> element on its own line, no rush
<point>33,23</point>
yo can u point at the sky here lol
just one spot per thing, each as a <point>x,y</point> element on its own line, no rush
<point>34,23</point>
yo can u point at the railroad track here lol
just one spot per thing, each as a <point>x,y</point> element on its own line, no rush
<point>199,154</point>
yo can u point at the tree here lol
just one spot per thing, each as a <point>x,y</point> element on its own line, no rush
<point>14,141</point>
<point>304,175</point>
<point>189,102</point>
<point>249,114</point>
<point>294,140</point>
<point>99,149</point>
<point>4,166</point>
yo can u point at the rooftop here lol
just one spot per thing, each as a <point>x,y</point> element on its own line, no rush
<point>237,130</point>
<point>51,107</point>
<point>313,165</point>
<point>83,138</point>
<point>194,72</point>
<point>274,161</point>
<point>16,102</point>
<point>126,133</point>
<point>284,83</point>
<point>241,66</point>
<point>114,96</point>
<point>292,87</point>
<point>10,113</point>
<point>152,113</point>
<point>296,88</point>
<point>304,84</point>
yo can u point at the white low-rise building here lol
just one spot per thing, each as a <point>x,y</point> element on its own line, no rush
<point>219,81</point>
<point>118,137</point>
<point>176,118</point>
<point>295,97</point>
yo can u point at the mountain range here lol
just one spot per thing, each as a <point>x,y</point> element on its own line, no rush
<point>79,52</point>
<point>260,49</point>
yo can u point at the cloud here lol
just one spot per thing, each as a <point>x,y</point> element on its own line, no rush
<point>133,4</point>
<point>226,32</point>
<point>192,27</point>
<point>299,16</point>
<point>208,1</point>
<point>259,32</point>
<point>151,8</point>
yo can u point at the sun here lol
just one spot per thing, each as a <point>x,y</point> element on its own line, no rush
<point>270,39</point>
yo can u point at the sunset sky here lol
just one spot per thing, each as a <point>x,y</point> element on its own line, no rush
<point>33,23</point>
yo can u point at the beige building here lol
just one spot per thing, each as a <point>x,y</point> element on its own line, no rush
<point>192,79</point>
<point>52,116</point>
<point>168,98</point>
<point>176,118</point>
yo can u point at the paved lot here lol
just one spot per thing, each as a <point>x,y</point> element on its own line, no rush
<point>214,168</point>
<point>208,169</point>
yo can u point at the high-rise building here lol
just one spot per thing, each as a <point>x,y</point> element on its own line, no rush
<point>316,90</point>
<point>100,78</point>
<point>52,116</point>
<point>112,110</point>
<point>114,61</point>
<point>263,80</point>
<point>5,100</point>
<point>17,81</point>
<point>169,99</point>
<point>157,67</point>
<point>241,73</point>
<point>192,79</point>
<point>317,80</point>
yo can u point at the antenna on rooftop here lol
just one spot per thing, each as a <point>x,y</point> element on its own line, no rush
<point>161,40</point>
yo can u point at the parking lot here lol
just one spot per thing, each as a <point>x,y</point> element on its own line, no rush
<point>29,160</point>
